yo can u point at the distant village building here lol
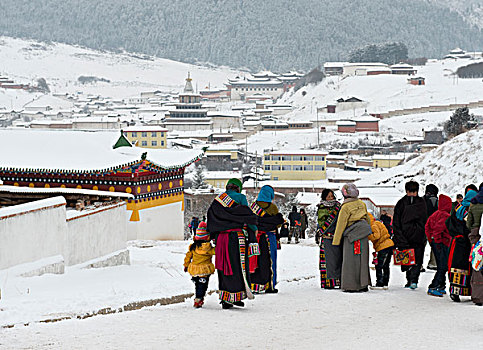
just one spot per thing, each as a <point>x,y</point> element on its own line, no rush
<point>147,136</point>
<point>344,104</point>
<point>95,161</point>
<point>295,165</point>
<point>219,179</point>
<point>346,126</point>
<point>189,114</point>
<point>386,160</point>
<point>334,68</point>
<point>354,69</point>
<point>263,85</point>
<point>417,81</point>
<point>433,137</point>
<point>457,53</point>
<point>403,69</point>
<point>367,123</point>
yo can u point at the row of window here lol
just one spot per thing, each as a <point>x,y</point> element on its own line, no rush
<point>306,158</point>
<point>257,89</point>
<point>294,167</point>
<point>153,143</point>
<point>176,114</point>
<point>145,134</point>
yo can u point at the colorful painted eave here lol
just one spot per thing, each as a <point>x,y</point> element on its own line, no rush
<point>104,171</point>
<point>81,152</point>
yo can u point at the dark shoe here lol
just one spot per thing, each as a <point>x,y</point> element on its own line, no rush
<point>422,269</point>
<point>479,304</point>
<point>225,305</point>
<point>407,285</point>
<point>271,290</point>
<point>455,298</point>
<point>363,290</point>
<point>432,267</point>
<point>239,303</point>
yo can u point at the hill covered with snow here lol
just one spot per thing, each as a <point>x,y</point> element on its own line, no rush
<point>127,74</point>
<point>451,166</point>
<point>271,34</point>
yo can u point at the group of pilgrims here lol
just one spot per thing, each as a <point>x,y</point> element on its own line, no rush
<point>246,238</point>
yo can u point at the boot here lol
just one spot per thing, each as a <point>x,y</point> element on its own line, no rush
<point>455,298</point>
<point>225,305</point>
<point>239,303</point>
<point>271,290</point>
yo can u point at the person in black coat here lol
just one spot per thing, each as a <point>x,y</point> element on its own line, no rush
<point>408,227</point>
<point>386,220</point>
<point>295,220</point>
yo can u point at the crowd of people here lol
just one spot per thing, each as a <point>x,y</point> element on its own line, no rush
<point>247,237</point>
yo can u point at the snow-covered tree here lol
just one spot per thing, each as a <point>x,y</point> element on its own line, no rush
<point>460,122</point>
<point>199,178</point>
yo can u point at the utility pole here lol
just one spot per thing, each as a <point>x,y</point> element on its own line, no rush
<point>318,127</point>
<point>256,169</point>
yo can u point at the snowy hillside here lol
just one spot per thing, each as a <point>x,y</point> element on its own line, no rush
<point>451,166</point>
<point>390,92</point>
<point>129,74</point>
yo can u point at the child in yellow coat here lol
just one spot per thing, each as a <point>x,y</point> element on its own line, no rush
<point>198,263</point>
<point>383,245</point>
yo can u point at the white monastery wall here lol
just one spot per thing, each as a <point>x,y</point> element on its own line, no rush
<point>32,231</point>
<point>95,233</point>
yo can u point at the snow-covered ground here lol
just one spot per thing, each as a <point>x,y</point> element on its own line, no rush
<point>129,74</point>
<point>156,271</point>
<point>301,316</point>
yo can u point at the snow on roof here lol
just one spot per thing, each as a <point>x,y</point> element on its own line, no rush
<point>60,191</point>
<point>79,151</point>
<point>212,175</point>
<point>388,157</point>
<point>292,184</point>
<point>141,128</point>
<point>402,66</point>
<point>366,118</point>
<point>305,152</point>
<point>31,206</point>
<point>365,64</point>
<point>230,114</point>
<point>308,198</point>
<point>381,196</point>
<point>345,123</point>
<point>335,64</point>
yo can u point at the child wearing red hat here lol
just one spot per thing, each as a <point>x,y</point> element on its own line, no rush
<point>198,263</point>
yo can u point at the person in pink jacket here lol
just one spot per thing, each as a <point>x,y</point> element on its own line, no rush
<point>439,239</point>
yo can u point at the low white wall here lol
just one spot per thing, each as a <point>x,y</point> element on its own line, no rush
<point>159,223</point>
<point>95,233</point>
<point>32,231</point>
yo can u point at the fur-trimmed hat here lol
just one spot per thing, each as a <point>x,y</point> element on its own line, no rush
<point>201,233</point>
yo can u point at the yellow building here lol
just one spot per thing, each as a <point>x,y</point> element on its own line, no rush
<point>386,160</point>
<point>222,151</point>
<point>147,136</point>
<point>296,165</point>
<point>219,179</point>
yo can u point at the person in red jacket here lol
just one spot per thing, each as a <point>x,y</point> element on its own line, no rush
<point>439,238</point>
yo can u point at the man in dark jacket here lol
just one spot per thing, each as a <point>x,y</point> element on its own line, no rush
<point>408,228</point>
<point>295,224</point>
<point>431,199</point>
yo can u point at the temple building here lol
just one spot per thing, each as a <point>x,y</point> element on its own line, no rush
<point>96,161</point>
<point>189,114</point>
